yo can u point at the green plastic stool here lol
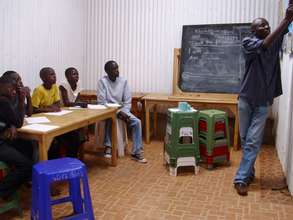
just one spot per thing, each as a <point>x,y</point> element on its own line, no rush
<point>219,153</point>
<point>211,117</point>
<point>181,138</point>
<point>14,203</point>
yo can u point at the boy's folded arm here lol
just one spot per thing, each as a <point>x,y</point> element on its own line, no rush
<point>55,107</point>
<point>40,109</point>
<point>43,109</point>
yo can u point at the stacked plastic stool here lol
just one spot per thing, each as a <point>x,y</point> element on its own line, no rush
<point>14,202</point>
<point>181,140</point>
<point>64,169</point>
<point>214,138</point>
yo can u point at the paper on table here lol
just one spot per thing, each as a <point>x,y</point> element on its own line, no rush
<point>34,120</point>
<point>75,107</point>
<point>113,105</point>
<point>62,112</point>
<point>90,106</point>
<point>40,127</point>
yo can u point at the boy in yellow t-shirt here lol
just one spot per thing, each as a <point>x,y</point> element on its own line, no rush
<point>46,97</point>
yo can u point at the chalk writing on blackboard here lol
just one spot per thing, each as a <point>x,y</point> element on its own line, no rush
<point>211,58</point>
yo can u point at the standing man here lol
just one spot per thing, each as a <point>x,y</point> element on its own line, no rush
<point>261,83</point>
<point>113,88</point>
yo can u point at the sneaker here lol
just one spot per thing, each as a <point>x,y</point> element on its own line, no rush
<point>139,158</point>
<point>108,152</point>
<point>241,189</point>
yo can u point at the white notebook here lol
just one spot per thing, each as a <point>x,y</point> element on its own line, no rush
<point>40,127</point>
<point>62,112</point>
<point>35,120</point>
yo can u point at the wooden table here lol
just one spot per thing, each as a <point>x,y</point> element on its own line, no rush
<point>88,96</point>
<point>152,100</point>
<point>69,122</point>
<point>91,96</point>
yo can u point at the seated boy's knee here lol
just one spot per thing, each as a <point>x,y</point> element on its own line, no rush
<point>28,164</point>
<point>136,121</point>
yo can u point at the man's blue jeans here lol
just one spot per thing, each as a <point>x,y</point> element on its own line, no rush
<point>135,125</point>
<point>251,126</point>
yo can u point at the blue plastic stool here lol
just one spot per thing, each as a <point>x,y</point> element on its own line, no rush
<point>64,169</point>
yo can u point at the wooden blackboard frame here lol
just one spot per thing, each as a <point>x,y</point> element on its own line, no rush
<point>223,86</point>
<point>176,91</point>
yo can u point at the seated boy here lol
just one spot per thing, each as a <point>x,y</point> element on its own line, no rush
<point>20,88</point>
<point>29,146</point>
<point>70,88</point>
<point>12,154</point>
<point>114,89</point>
<point>46,98</point>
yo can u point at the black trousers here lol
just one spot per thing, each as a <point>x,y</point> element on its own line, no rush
<point>71,141</point>
<point>15,155</point>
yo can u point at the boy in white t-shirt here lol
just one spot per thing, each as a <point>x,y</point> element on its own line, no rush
<point>70,88</point>
<point>69,92</point>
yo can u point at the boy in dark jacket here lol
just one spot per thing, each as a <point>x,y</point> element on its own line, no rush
<point>10,153</point>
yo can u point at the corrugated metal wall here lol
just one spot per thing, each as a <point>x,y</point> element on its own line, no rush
<point>284,121</point>
<point>38,33</point>
<point>140,35</point>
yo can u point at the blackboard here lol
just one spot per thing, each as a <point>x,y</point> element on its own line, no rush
<point>211,58</point>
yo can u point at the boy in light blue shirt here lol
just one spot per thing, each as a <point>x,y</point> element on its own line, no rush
<point>113,88</point>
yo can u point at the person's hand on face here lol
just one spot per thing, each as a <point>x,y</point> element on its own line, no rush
<point>23,93</point>
<point>27,90</point>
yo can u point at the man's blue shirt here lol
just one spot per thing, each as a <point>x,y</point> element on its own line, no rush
<point>261,82</point>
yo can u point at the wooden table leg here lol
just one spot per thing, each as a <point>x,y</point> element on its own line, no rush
<point>44,145</point>
<point>114,141</point>
<point>147,122</point>
<point>155,120</point>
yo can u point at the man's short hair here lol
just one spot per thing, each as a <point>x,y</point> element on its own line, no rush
<point>6,79</point>
<point>69,70</point>
<point>44,71</point>
<point>9,73</point>
<point>108,65</point>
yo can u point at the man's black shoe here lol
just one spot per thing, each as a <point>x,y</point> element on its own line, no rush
<point>241,189</point>
<point>250,180</point>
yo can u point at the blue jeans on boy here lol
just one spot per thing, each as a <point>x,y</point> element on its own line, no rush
<point>135,126</point>
<point>252,121</point>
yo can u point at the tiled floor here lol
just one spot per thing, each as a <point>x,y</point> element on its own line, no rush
<point>135,191</point>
